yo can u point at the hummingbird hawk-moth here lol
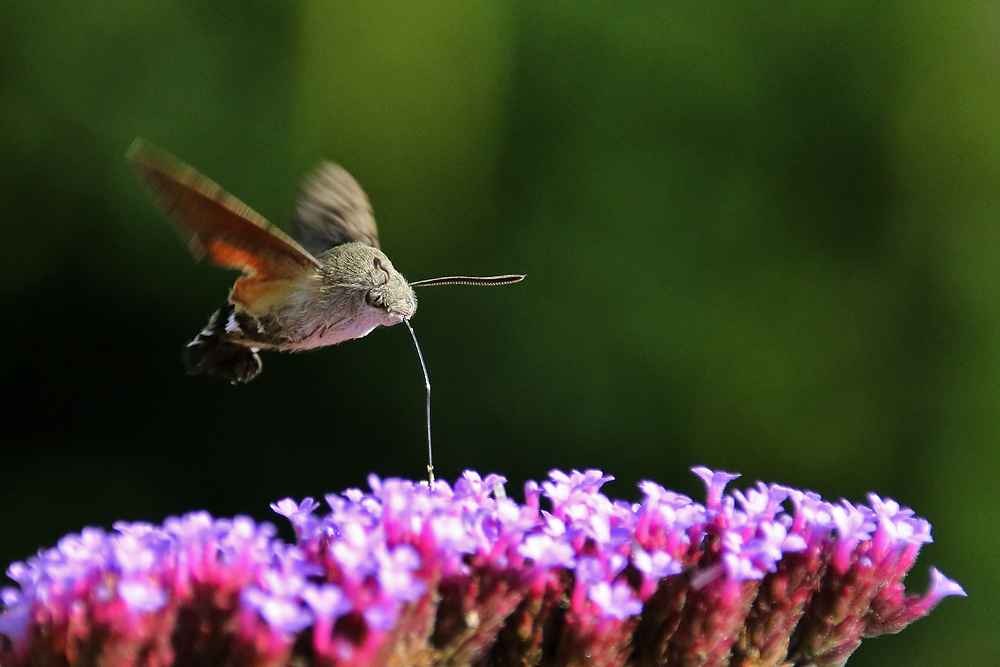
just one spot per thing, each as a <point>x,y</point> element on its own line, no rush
<point>326,283</point>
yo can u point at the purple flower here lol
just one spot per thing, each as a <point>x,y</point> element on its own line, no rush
<point>547,551</point>
<point>617,601</point>
<point>141,595</point>
<point>326,601</point>
<point>715,483</point>
<point>410,574</point>
<point>298,513</point>
<point>941,587</point>
<point>395,574</point>
<point>282,614</point>
<point>656,565</point>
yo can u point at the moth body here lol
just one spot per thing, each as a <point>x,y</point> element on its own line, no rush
<point>355,290</point>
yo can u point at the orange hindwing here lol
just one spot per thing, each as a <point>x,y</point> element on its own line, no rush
<point>218,226</point>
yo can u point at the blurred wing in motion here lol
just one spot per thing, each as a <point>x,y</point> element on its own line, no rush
<point>333,210</point>
<point>218,226</point>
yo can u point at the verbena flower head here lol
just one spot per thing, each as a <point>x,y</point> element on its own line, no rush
<point>406,574</point>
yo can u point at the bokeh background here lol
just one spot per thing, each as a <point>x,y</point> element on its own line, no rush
<point>760,238</point>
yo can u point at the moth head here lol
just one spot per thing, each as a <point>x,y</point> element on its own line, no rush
<point>388,292</point>
<point>364,276</point>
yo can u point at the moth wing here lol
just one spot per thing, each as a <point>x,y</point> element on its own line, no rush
<point>220,227</point>
<point>333,210</point>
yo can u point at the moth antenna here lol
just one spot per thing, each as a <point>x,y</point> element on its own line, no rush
<point>470,280</point>
<point>427,386</point>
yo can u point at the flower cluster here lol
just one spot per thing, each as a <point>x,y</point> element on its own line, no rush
<point>407,574</point>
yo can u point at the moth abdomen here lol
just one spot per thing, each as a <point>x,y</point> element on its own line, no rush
<point>214,351</point>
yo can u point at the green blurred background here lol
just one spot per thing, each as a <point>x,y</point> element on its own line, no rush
<point>763,239</point>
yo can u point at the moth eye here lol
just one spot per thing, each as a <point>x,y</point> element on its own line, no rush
<point>374,300</point>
